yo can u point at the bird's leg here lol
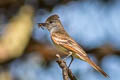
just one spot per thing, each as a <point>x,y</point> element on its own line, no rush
<point>70,54</point>
<point>71,58</point>
<point>71,61</point>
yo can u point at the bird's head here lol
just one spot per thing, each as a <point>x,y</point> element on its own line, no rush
<point>51,22</point>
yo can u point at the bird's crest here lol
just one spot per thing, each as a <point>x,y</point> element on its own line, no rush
<point>53,17</point>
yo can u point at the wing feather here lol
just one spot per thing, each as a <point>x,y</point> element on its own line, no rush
<point>68,43</point>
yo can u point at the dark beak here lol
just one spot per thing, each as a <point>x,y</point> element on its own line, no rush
<point>41,25</point>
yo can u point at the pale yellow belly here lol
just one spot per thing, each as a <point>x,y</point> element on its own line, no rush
<point>62,49</point>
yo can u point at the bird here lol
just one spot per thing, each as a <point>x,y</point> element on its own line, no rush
<point>65,43</point>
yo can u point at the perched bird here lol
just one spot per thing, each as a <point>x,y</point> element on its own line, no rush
<point>65,43</point>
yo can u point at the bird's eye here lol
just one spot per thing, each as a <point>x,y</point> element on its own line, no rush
<point>51,21</point>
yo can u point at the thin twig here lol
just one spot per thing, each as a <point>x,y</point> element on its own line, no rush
<point>71,76</point>
<point>67,73</point>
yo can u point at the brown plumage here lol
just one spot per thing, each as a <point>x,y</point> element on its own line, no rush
<point>70,45</point>
<point>65,43</point>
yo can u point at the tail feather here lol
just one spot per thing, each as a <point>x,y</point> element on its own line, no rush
<point>96,67</point>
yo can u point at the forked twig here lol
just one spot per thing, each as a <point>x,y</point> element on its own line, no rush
<point>66,72</point>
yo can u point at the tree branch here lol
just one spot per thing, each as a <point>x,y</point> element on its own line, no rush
<point>67,73</point>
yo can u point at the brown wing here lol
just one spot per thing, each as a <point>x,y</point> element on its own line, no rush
<point>67,42</point>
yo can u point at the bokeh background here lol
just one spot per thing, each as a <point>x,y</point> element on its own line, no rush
<point>27,53</point>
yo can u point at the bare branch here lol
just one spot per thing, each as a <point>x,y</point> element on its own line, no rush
<point>67,73</point>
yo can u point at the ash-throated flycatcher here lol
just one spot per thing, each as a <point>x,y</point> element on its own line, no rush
<point>65,43</point>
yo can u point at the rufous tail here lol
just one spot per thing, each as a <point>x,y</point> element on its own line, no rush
<point>96,67</point>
